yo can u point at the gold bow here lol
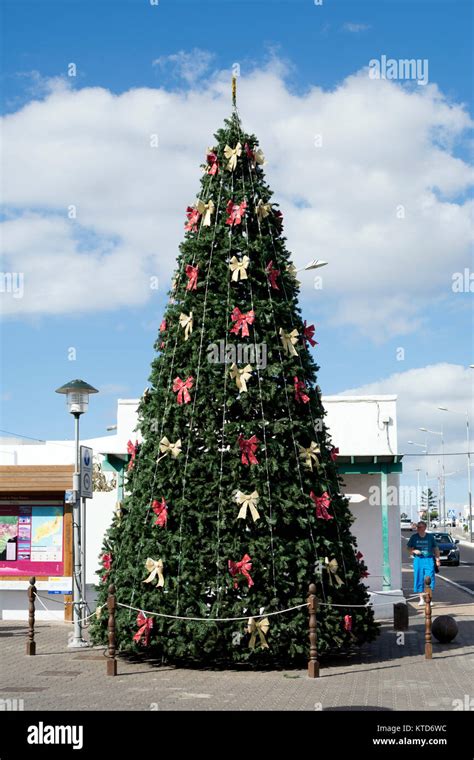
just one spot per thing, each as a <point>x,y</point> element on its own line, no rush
<point>155,568</point>
<point>263,209</point>
<point>232,154</point>
<point>239,268</point>
<point>186,321</point>
<point>206,209</point>
<point>289,340</point>
<point>166,447</point>
<point>247,501</point>
<point>310,454</point>
<point>332,567</point>
<point>118,512</point>
<point>261,627</point>
<point>291,269</point>
<point>241,376</point>
<point>98,610</point>
<point>259,157</point>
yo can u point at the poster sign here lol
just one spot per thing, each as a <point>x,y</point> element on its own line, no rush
<point>31,540</point>
<point>85,488</point>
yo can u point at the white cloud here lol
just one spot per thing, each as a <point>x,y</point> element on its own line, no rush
<point>383,146</point>
<point>188,66</point>
<point>420,392</point>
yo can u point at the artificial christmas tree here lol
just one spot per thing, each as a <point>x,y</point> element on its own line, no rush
<point>233,501</point>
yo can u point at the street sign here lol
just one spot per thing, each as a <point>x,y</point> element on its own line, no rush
<point>85,482</point>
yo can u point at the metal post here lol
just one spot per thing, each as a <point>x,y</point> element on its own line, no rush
<point>111,606</point>
<point>77,641</point>
<point>427,596</point>
<point>469,476</point>
<point>313,664</point>
<point>83,554</point>
<point>31,643</point>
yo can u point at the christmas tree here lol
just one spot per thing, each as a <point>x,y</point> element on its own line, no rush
<point>233,503</point>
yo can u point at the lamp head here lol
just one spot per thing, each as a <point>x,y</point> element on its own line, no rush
<point>77,394</point>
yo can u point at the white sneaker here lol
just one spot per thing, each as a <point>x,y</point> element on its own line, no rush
<point>421,603</point>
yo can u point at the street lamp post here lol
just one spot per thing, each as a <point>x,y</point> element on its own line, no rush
<point>468,442</point>
<point>443,476</point>
<point>425,447</point>
<point>77,396</point>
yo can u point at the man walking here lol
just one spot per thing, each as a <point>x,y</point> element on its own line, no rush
<point>425,553</point>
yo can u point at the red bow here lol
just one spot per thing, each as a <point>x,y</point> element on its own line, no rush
<point>248,448</point>
<point>279,219</point>
<point>192,273</point>
<point>322,503</point>
<point>193,218</point>
<point>242,321</point>
<point>272,274</point>
<point>132,450</point>
<point>308,334</point>
<point>163,325</point>
<point>161,511</point>
<point>348,622</point>
<point>359,555</point>
<point>211,159</point>
<point>106,563</point>
<point>249,152</point>
<point>146,624</point>
<point>334,453</point>
<point>181,388</point>
<point>300,388</point>
<point>235,212</point>
<point>242,568</point>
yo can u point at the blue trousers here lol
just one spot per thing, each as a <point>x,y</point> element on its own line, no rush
<point>423,566</point>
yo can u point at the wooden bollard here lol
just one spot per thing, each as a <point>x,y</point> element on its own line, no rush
<point>111,606</point>
<point>313,664</point>
<point>31,643</point>
<point>427,596</point>
<point>400,616</point>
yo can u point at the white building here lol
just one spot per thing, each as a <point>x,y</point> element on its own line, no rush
<point>362,427</point>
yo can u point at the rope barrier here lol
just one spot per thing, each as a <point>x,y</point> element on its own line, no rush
<point>213,620</point>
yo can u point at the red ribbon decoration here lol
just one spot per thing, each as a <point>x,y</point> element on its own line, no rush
<point>248,447</point>
<point>132,450</point>
<point>348,622</point>
<point>211,159</point>
<point>193,219</point>
<point>241,568</point>
<point>242,322</point>
<point>309,333</point>
<point>145,625</point>
<point>364,573</point>
<point>160,508</point>
<point>334,453</point>
<point>300,388</point>
<point>163,325</point>
<point>192,274</point>
<point>249,152</point>
<point>181,388</point>
<point>279,219</point>
<point>322,503</point>
<point>235,212</point>
<point>272,274</point>
<point>106,564</point>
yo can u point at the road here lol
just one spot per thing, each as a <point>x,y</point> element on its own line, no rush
<point>462,575</point>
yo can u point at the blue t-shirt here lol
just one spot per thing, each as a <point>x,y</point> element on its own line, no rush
<point>426,545</point>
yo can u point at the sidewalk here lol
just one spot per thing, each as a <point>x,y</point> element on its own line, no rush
<point>389,674</point>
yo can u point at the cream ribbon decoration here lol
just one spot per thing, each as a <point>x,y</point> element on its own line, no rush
<point>232,154</point>
<point>332,567</point>
<point>261,627</point>
<point>241,376</point>
<point>263,209</point>
<point>289,340</point>
<point>310,454</point>
<point>186,322</point>
<point>291,269</point>
<point>155,568</point>
<point>239,268</point>
<point>118,512</point>
<point>247,501</point>
<point>166,447</point>
<point>206,209</point>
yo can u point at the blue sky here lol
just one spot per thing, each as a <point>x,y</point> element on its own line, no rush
<point>114,44</point>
